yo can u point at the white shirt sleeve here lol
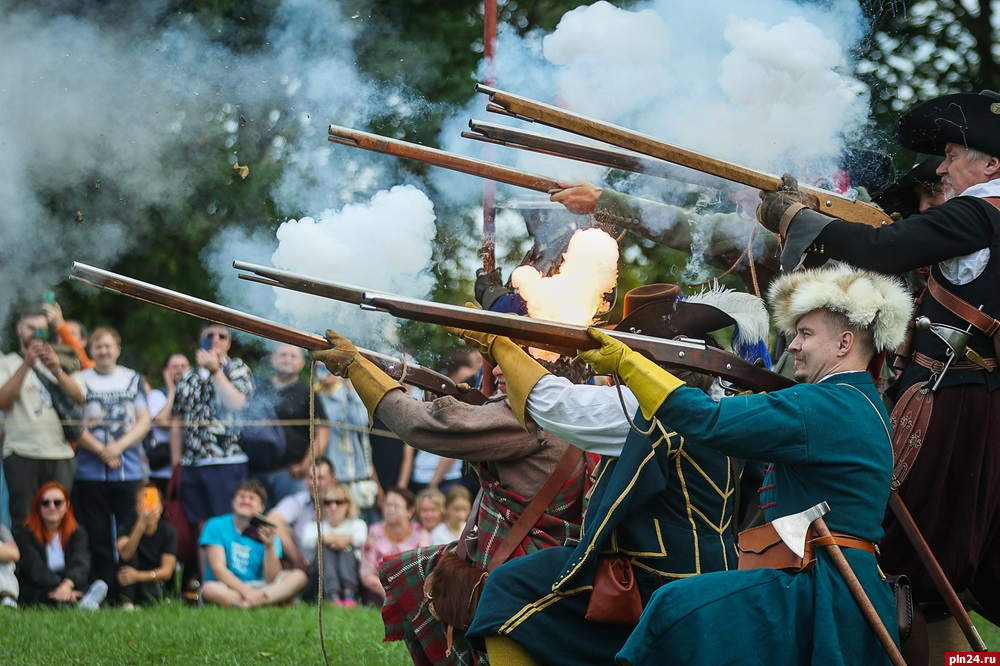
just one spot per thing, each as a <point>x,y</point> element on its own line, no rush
<point>590,417</point>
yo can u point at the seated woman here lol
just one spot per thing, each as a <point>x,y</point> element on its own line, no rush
<point>396,534</point>
<point>55,556</point>
<point>147,550</point>
<point>344,535</point>
<point>457,506</point>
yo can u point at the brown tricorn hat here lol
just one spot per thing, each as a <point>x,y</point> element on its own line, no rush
<point>658,310</point>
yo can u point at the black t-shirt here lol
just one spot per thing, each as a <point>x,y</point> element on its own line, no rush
<point>152,547</point>
<point>292,403</point>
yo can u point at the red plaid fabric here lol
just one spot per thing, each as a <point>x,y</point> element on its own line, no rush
<point>405,612</point>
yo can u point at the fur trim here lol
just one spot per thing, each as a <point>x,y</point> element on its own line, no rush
<point>749,312</point>
<point>869,300</point>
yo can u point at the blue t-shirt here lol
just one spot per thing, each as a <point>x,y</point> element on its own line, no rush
<point>244,556</point>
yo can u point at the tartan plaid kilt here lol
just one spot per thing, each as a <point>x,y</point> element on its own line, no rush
<point>404,611</point>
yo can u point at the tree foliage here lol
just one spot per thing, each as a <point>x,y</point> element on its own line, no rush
<point>914,52</point>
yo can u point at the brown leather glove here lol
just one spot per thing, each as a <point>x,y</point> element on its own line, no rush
<point>340,356</point>
<point>776,209</point>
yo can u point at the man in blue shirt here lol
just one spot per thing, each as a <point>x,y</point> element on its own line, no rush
<point>243,555</point>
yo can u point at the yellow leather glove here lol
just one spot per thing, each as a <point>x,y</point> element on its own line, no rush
<point>344,359</point>
<point>649,383</point>
<point>521,372</point>
<point>481,342</point>
<point>341,354</point>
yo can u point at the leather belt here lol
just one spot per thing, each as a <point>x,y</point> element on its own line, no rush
<point>845,541</point>
<point>935,365</point>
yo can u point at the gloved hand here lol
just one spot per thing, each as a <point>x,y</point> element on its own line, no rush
<point>340,356</point>
<point>481,342</point>
<point>489,287</point>
<point>776,209</point>
<point>606,359</point>
<point>344,359</point>
<point>650,384</point>
<point>521,372</point>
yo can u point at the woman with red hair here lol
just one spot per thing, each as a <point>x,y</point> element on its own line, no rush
<point>55,557</point>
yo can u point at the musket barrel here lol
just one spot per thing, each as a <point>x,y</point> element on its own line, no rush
<point>189,305</point>
<point>545,114</point>
<point>442,158</point>
<point>612,158</point>
<point>550,335</point>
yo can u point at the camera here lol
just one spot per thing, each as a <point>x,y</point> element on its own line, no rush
<point>205,343</point>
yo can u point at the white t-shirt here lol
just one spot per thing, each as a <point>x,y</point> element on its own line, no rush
<point>441,534</point>
<point>32,427</point>
<point>352,526</point>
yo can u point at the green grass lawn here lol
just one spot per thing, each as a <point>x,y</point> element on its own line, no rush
<point>176,634</point>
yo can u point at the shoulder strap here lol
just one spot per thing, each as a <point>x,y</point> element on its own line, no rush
<point>536,507</point>
<point>462,550</point>
<point>962,308</point>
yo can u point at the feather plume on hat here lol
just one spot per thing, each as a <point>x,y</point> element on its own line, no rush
<point>869,300</point>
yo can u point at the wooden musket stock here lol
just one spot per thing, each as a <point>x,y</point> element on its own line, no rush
<point>562,338</point>
<point>441,158</point>
<point>172,300</point>
<point>612,158</point>
<point>529,110</point>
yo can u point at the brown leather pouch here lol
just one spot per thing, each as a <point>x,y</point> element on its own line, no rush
<point>909,420</point>
<point>762,548</point>
<point>615,598</point>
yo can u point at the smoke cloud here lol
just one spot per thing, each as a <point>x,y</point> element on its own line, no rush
<point>123,108</point>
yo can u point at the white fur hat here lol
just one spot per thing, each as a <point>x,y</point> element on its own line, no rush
<point>869,300</point>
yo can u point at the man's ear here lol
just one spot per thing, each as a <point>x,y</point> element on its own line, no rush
<point>992,166</point>
<point>846,342</point>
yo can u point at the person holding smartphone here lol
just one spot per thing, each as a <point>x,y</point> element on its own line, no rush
<point>147,551</point>
<point>243,555</point>
<point>36,449</point>
<point>204,437</point>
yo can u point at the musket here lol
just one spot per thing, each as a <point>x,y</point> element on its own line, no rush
<point>562,338</point>
<point>933,568</point>
<point>529,110</point>
<point>612,158</point>
<point>401,371</point>
<point>442,158</point>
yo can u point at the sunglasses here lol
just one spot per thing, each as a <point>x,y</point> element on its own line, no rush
<point>53,502</point>
<point>338,502</point>
<point>213,334</point>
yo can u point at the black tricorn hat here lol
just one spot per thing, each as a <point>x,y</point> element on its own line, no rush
<point>657,310</point>
<point>968,119</point>
<point>901,196</point>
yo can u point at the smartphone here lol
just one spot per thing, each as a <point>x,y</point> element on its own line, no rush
<point>41,334</point>
<point>259,519</point>
<point>49,297</point>
<point>150,499</point>
<point>206,343</point>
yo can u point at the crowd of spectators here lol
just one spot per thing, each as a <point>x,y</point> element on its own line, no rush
<point>118,488</point>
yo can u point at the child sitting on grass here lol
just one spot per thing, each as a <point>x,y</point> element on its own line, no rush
<point>344,534</point>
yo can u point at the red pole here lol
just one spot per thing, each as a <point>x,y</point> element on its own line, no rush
<point>489,189</point>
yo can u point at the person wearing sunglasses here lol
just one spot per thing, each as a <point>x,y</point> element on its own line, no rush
<point>55,558</point>
<point>344,535</point>
<point>205,436</point>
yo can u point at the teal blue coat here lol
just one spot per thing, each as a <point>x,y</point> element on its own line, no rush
<point>828,442</point>
<point>665,501</point>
